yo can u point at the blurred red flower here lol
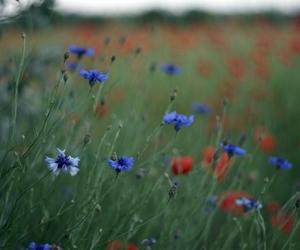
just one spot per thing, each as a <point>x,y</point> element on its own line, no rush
<point>280,220</point>
<point>114,245</point>
<point>222,164</point>
<point>236,67</point>
<point>227,202</point>
<point>295,44</point>
<point>273,207</point>
<point>283,222</point>
<point>204,67</point>
<point>265,140</point>
<point>181,165</point>
<point>119,245</point>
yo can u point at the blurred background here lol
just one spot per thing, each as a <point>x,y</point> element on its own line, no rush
<point>239,64</point>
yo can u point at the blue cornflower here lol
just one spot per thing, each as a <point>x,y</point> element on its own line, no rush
<point>123,163</point>
<point>280,163</point>
<point>232,149</point>
<point>63,163</point>
<point>94,76</point>
<point>149,243</point>
<point>72,65</point>
<point>35,246</point>
<point>179,120</point>
<point>201,108</point>
<point>170,69</point>
<point>79,51</point>
<point>248,204</point>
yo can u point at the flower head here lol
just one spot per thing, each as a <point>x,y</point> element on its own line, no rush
<point>72,65</point>
<point>227,202</point>
<point>181,165</point>
<point>94,76</point>
<point>149,243</point>
<point>218,163</point>
<point>79,51</point>
<point>280,163</point>
<point>63,163</point>
<point>265,140</point>
<point>123,163</point>
<point>119,245</point>
<point>283,222</point>
<point>35,246</point>
<point>232,149</point>
<point>170,69</point>
<point>179,120</point>
<point>201,108</point>
<point>248,204</point>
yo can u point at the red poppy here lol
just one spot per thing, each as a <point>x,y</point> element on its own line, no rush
<point>273,207</point>
<point>217,39</point>
<point>131,246</point>
<point>119,245</point>
<point>283,222</point>
<point>208,154</point>
<point>181,165</point>
<point>221,166</point>
<point>265,140</point>
<point>114,245</point>
<point>227,202</point>
<point>295,44</point>
<point>236,67</point>
<point>204,67</point>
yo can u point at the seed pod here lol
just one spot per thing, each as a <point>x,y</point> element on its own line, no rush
<point>66,56</point>
<point>114,156</point>
<point>174,94</point>
<point>65,77</point>
<point>297,203</point>
<point>112,59</point>
<point>98,208</point>
<point>152,67</point>
<point>137,51</point>
<point>173,191</point>
<point>102,101</point>
<point>87,139</point>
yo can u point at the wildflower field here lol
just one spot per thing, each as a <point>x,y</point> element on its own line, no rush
<point>155,136</point>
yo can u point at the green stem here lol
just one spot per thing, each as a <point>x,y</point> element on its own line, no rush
<point>18,78</point>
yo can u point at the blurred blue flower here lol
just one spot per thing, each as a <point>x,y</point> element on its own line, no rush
<point>72,65</point>
<point>149,243</point>
<point>201,108</point>
<point>35,246</point>
<point>79,51</point>
<point>63,163</point>
<point>179,120</point>
<point>170,69</point>
<point>94,76</point>
<point>280,163</point>
<point>123,163</point>
<point>232,149</point>
<point>248,204</point>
